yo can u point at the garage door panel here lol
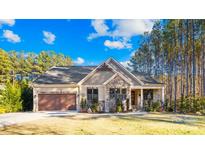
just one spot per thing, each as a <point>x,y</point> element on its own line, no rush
<point>49,102</point>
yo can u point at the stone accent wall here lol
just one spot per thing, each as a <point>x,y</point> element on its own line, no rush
<point>117,82</point>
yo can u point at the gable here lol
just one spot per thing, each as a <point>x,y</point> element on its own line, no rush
<point>117,82</point>
<point>124,72</point>
<point>99,77</point>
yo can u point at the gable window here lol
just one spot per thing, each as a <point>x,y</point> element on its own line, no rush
<point>92,94</point>
<point>117,93</point>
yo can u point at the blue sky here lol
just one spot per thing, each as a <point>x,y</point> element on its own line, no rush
<point>87,42</point>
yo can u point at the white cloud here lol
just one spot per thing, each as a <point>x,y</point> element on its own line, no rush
<point>125,64</point>
<point>9,22</point>
<point>79,61</point>
<point>129,27</point>
<point>132,53</point>
<point>100,27</point>
<point>121,31</point>
<point>123,28</point>
<point>117,44</point>
<point>11,37</point>
<point>49,37</point>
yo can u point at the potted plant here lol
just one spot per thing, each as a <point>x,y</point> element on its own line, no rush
<point>83,105</point>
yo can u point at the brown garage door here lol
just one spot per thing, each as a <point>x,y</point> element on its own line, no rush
<point>48,102</point>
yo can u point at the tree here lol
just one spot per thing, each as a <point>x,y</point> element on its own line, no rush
<point>177,57</point>
<point>5,67</point>
<point>11,98</point>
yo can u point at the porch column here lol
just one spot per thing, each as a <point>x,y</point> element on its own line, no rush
<point>141,100</point>
<point>130,103</point>
<point>78,99</point>
<point>162,96</point>
<point>106,99</point>
<point>35,100</point>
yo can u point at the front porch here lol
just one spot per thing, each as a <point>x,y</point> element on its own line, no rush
<point>140,96</point>
<point>132,98</point>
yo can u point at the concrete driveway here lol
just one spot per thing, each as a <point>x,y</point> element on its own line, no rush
<point>15,118</point>
<point>21,117</point>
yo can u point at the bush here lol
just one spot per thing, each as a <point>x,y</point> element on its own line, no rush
<point>95,106</point>
<point>192,105</point>
<point>188,104</point>
<point>27,97</point>
<point>11,98</point>
<point>118,105</point>
<point>127,104</point>
<point>2,109</point>
<point>83,104</point>
<point>147,106</point>
<point>150,106</point>
<point>156,106</point>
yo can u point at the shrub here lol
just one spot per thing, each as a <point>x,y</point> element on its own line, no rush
<point>27,97</point>
<point>83,104</point>
<point>2,109</point>
<point>166,105</point>
<point>150,106</point>
<point>95,106</point>
<point>119,105</point>
<point>127,104</point>
<point>192,105</point>
<point>182,107</point>
<point>156,106</point>
<point>147,106</point>
<point>11,98</point>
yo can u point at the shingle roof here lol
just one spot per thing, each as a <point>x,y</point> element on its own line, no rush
<point>99,78</point>
<point>74,74</point>
<point>146,79</point>
<point>64,75</point>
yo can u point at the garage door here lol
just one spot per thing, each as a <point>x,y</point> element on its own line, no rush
<point>49,102</point>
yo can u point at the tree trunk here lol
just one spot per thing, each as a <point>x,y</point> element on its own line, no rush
<point>186,58</point>
<point>175,93</point>
<point>203,67</point>
<point>193,59</point>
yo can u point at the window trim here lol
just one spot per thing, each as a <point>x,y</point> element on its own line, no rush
<point>118,93</point>
<point>92,94</point>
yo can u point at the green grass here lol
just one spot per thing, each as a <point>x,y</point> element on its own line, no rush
<point>86,124</point>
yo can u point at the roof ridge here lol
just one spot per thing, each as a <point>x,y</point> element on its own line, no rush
<point>115,61</point>
<point>78,66</point>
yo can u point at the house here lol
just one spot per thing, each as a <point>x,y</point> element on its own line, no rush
<point>63,88</point>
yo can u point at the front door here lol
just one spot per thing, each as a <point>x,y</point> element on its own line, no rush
<point>133,98</point>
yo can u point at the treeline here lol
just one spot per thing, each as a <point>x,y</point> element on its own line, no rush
<point>20,65</point>
<point>174,53</point>
<point>17,70</point>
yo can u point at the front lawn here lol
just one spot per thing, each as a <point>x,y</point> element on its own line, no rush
<point>87,124</point>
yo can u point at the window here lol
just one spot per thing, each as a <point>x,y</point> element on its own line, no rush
<point>124,94</point>
<point>112,93</point>
<point>118,93</point>
<point>148,94</point>
<point>92,94</point>
<point>95,94</point>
